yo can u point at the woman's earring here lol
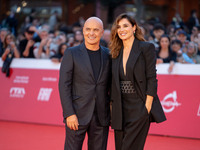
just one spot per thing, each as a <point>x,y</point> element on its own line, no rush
<point>134,33</point>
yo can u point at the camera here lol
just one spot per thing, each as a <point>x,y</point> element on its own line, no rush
<point>6,64</point>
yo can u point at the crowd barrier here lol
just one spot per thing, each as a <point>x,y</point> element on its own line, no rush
<point>31,95</point>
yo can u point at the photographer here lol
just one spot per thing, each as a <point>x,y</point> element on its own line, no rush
<point>10,52</point>
<point>10,47</point>
<point>3,33</point>
<point>42,49</point>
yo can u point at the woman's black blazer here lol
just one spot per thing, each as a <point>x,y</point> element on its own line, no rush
<point>143,73</point>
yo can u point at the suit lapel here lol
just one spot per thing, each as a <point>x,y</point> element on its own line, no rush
<point>86,59</point>
<point>115,69</point>
<point>134,54</point>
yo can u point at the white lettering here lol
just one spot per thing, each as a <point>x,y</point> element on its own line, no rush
<point>44,94</point>
<point>21,79</point>
<point>50,79</point>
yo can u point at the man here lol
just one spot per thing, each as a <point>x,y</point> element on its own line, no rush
<point>53,20</point>
<point>26,45</point>
<point>83,86</point>
<point>193,20</point>
<point>182,36</point>
<point>158,31</point>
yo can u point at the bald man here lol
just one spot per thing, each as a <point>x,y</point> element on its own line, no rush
<point>84,86</point>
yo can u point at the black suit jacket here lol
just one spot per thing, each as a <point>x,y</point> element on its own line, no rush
<point>79,92</point>
<point>143,74</point>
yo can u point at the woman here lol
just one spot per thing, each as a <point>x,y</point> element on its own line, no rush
<point>165,54</point>
<point>58,57</point>
<point>191,57</point>
<point>10,51</point>
<point>78,37</point>
<point>134,86</point>
<point>194,34</point>
<point>10,47</point>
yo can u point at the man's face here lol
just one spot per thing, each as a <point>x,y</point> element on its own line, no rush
<point>29,34</point>
<point>158,33</point>
<point>182,38</point>
<point>176,47</point>
<point>92,31</point>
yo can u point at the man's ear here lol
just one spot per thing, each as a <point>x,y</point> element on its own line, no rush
<point>102,31</point>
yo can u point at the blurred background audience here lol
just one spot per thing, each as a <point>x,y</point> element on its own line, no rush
<point>28,31</point>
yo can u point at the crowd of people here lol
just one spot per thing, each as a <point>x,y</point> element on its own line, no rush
<point>177,42</point>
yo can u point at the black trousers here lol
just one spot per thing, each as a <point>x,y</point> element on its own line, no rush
<point>133,136</point>
<point>97,136</point>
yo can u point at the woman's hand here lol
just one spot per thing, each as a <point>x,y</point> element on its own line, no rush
<point>7,51</point>
<point>148,104</point>
<point>159,61</point>
<point>171,66</point>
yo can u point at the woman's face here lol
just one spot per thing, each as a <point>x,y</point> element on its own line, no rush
<point>43,35</point>
<point>9,39</point>
<point>125,30</point>
<point>164,42</point>
<point>194,30</point>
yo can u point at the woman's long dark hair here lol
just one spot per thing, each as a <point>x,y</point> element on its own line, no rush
<point>60,48</point>
<point>115,42</point>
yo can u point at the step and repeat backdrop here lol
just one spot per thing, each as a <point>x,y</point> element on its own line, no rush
<point>31,95</point>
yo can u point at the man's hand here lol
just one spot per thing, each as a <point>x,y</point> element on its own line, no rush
<point>72,122</point>
<point>30,43</point>
<point>28,46</point>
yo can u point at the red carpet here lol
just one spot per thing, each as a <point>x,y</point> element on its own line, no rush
<point>23,136</point>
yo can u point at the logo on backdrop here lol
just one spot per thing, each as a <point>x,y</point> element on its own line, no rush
<point>198,112</point>
<point>44,94</point>
<point>169,103</point>
<point>21,79</point>
<point>18,92</point>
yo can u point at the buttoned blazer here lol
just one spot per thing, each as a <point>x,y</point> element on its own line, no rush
<point>78,89</point>
<point>143,75</point>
